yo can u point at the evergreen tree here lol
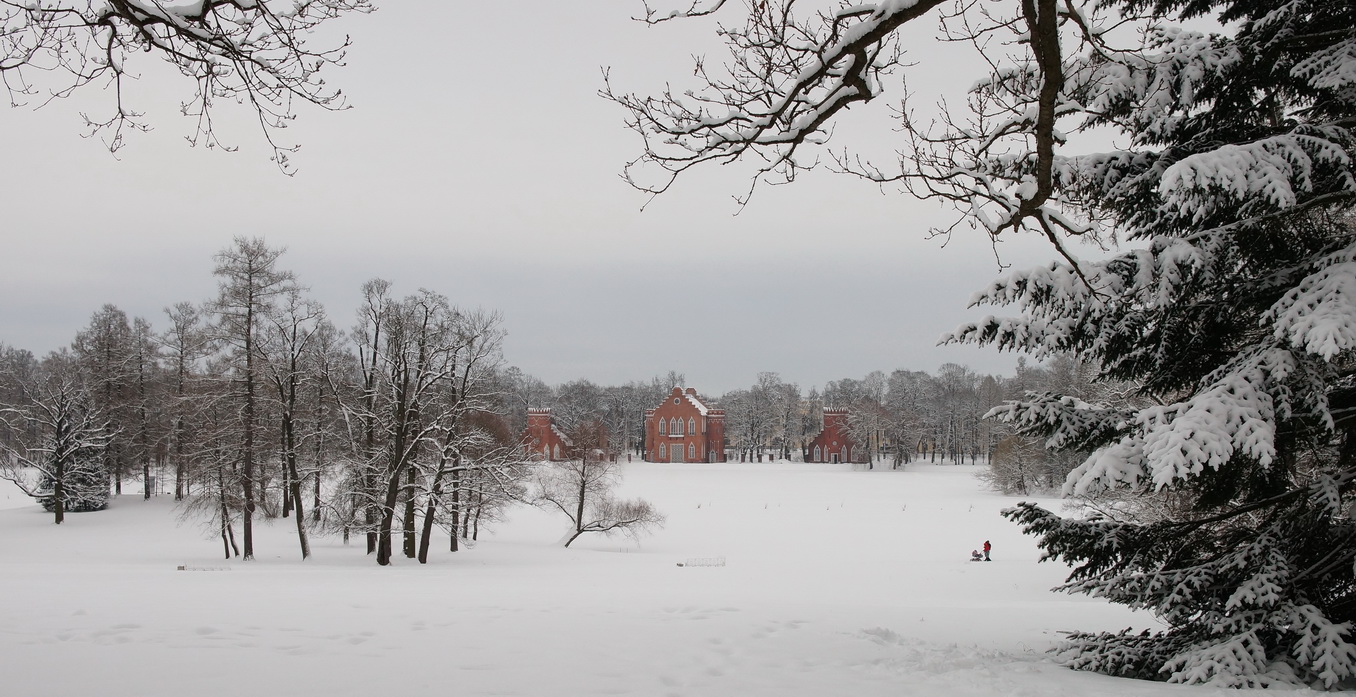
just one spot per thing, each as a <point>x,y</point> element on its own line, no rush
<point>1235,316</point>
<point>54,435</point>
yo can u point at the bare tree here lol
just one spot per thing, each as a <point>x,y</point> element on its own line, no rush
<point>369,336</point>
<point>104,349</point>
<point>185,344</point>
<point>581,488</point>
<point>147,404</point>
<point>424,365</point>
<point>261,53</point>
<point>217,497</point>
<point>250,282</point>
<point>293,324</point>
<point>476,453</point>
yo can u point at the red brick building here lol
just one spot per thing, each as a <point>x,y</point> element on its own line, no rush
<point>834,443</point>
<point>684,429</point>
<point>541,438</point>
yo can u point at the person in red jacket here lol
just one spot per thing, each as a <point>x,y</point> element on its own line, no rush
<point>987,547</point>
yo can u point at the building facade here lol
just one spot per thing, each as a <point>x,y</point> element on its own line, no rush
<point>834,442</point>
<point>684,429</point>
<point>542,440</point>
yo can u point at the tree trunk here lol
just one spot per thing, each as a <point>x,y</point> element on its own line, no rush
<point>455,507</point>
<point>287,476</point>
<point>429,511</point>
<point>227,534</point>
<point>466,516</point>
<point>59,492</point>
<point>475,522</point>
<point>301,518</point>
<point>383,532</point>
<point>292,483</point>
<point>579,510</point>
<point>315,505</point>
<point>247,476</point>
<point>410,548</point>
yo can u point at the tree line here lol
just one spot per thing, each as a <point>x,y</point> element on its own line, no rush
<point>895,418</point>
<point>406,423</point>
<point>255,402</point>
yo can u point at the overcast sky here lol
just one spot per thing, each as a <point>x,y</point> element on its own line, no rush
<point>478,161</point>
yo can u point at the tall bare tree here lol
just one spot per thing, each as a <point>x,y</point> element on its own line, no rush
<point>291,329</point>
<point>104,349</point>
<point>250,282</point>
<point>184,345</point>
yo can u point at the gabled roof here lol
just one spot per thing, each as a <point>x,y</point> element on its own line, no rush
<point>701,408</point>
<point>561,435</point>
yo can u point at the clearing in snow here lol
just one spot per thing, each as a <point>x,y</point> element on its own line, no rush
<point>831,582</point>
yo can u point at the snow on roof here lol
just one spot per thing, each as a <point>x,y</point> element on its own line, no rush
<point>701,408</point>
<point>561,435</point>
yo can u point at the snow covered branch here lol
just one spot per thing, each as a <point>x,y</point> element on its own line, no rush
<point>257,52</point>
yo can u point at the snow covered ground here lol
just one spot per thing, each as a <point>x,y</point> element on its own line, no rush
<point>836,582</point>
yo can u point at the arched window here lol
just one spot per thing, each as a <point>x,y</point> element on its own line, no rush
<point>691,451</point>
<point>816,454</point>
<point>844,454</point>
<point>691,426</point>
<point>663,427</point>
<point>675,427</point>
<point>557,451</point>
<point>663,452</point>
<point>546,452</point>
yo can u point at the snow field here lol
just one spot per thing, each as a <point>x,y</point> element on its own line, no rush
<point>836,583</point>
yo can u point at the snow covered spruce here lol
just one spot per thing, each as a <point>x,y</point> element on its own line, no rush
<point>1231,310</point>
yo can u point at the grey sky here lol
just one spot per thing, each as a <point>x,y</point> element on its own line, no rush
<point>478,161</point>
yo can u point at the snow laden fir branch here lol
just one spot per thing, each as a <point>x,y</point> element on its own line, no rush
<point>1245,344</point>
<point>256,52</point>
